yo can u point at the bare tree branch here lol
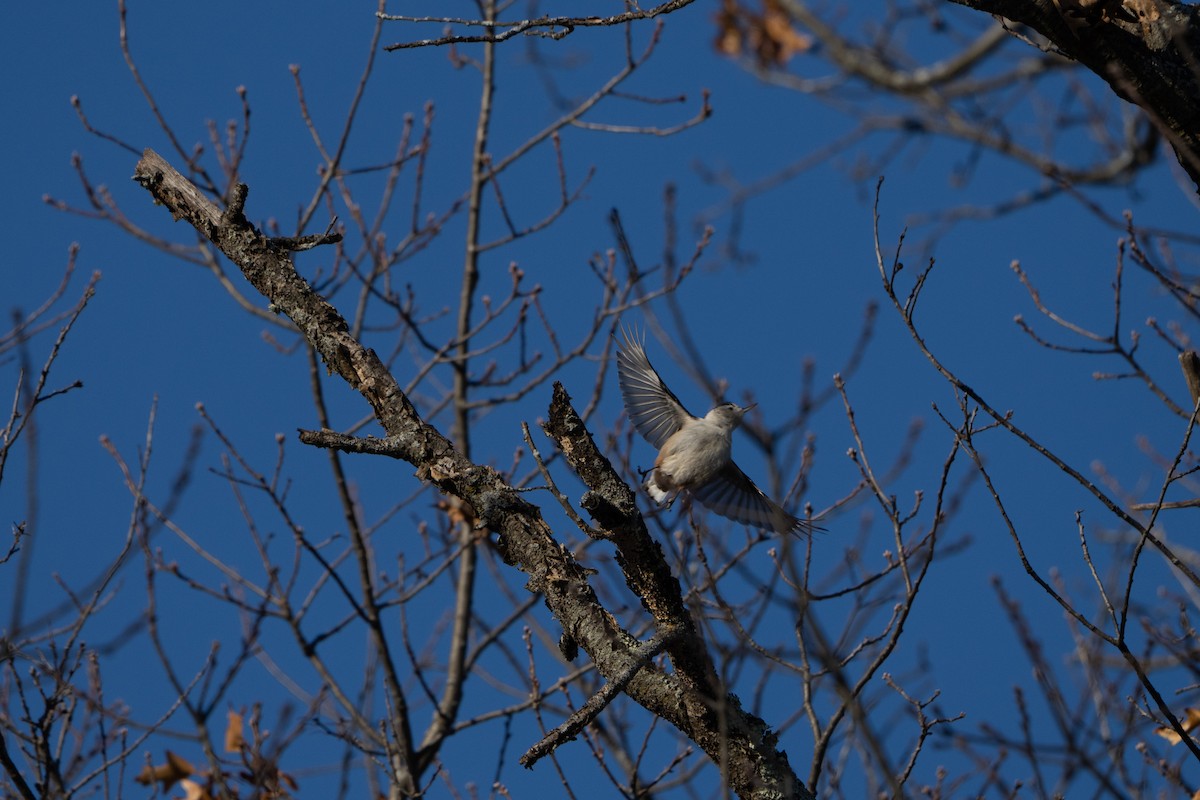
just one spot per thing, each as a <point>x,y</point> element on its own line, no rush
<point>689,699</point>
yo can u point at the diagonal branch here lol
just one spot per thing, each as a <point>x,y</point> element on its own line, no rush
<point>741,743</point>
<point>575,723</point>
<point>1147,51</point>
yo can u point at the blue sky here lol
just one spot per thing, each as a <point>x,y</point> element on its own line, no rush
<point>161,329</point>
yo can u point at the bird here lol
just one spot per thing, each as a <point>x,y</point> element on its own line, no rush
<point>694,453</point>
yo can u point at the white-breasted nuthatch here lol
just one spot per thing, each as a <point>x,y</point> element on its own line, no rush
<point>694,454</point>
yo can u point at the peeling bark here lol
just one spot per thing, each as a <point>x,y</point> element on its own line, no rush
<point>689,697</point>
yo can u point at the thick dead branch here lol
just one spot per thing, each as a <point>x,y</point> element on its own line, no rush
<point>1145,49</point>
<point>741,743</point>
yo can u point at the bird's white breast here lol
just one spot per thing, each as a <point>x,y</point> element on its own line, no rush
<point>695,453</point>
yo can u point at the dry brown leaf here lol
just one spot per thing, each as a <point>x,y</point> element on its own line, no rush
<point>234,739</point>
<point>193,791</point>
<point>729,33</point>
<point>174,770</point>
<point>1190,720</point>
<point>786,40</point>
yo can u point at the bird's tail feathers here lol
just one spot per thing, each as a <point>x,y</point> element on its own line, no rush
<point>652,488</point>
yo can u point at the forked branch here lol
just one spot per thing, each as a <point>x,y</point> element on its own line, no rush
<point>689,699</point>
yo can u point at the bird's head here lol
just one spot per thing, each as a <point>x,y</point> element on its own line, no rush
<point>728,415</point>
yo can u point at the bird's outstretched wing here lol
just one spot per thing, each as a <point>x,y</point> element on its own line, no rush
<point>655,411</point>
<point>732,494</point>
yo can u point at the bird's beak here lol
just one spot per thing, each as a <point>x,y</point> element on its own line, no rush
<point>747,408</point>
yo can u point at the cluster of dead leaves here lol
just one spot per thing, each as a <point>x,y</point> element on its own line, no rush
<point>766,34</point>
<point>197,784</point>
